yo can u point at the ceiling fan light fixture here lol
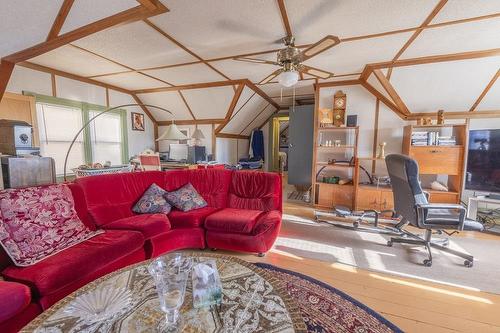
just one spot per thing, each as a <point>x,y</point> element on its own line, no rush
<point>288,78</point>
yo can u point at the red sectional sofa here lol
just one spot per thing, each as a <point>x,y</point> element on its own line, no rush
<point>243,214</point>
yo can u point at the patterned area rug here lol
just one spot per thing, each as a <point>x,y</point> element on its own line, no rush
<point>326,309</point>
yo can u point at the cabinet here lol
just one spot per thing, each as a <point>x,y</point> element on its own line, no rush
<point>372,197</point>
<point>20,107</point>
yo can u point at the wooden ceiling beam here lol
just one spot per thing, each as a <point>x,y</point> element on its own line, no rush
<point>457,115</point>
<point>284,18</point>
<point>57,72</point>
<point>144,108</point>
<point>437,58</point>
<point>190,86</point>
<point>391,91</point>
<point>262,94</point>
<point>60,19</point>
<point>191,122</point>
<point>485,91</point>
<point>6,69</point>
<point>338,83</point>
<point>383,99</point>
<point>176,42</point>
<point>232,136</point>
<point>230,110</point>
<point>126,16</point>
<point>149,4</point>
<point>186,104</point>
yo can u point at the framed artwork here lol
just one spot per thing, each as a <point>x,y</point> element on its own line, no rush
<point>137,121</point>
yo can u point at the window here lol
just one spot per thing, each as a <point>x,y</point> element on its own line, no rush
<point>105,139</point>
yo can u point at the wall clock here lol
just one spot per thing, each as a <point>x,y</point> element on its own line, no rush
<point>339,106</point>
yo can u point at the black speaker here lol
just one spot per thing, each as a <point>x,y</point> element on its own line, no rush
<point>352,120</point>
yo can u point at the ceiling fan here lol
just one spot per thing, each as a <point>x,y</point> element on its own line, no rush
<point>290,61</point>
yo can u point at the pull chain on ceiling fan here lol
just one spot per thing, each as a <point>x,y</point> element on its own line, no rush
<point>290,60</point>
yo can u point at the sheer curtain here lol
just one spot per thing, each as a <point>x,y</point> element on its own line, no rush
<point>57,127</point>
<point>106,138</point>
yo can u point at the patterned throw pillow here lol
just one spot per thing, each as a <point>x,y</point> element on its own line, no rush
<point>38,222</point>
<point>152,201</point>
<point>186,198</point>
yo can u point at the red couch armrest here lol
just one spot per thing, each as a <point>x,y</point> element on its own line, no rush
<point>14,298</point>
<point>267,221</point>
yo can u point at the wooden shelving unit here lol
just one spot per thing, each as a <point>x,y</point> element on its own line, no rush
<point>327,195</point>
<point>434,160</point>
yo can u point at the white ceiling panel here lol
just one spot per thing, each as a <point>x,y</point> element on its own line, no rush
<point>259,120</point>
<point>225,27</point>
<point>471,36</point>
<point>209,103</point>
<point>313,19</point>
<point>197,73</point>
<point>492,99</point>
<point>73,60</point>
<point>131,81</point>
<point>246,94</point>
<point>245,115</point>
<point>376,84</point>
<point>463,9</point>
<point>25,23</point>
<point>351,57</point>
<point>136,45</point>
<point>459,83</point>
<point>244,70</point>
<point>170,100</point>
<point>84,12</point>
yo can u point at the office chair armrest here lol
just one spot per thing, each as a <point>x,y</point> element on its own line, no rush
<point>423,211</point>
<point>427,195</point>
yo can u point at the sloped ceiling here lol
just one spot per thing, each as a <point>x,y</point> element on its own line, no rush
<point>195,41</point>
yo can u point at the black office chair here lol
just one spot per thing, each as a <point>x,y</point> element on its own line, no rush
<point>411,203</point>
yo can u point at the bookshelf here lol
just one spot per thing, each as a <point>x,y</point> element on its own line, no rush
<point>334,169</point>
<point>441,157</point>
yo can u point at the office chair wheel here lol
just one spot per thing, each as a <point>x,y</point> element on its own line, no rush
<point>389,243</point>
<point>468,263</point>
<point>427,263</point>
<point>355,224</point>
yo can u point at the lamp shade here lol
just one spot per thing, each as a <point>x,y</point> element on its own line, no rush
<point>288,78</point>
<point>197,134</point>
<point>172,133</point>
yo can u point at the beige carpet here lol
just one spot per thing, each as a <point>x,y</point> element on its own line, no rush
<point>308,239</point>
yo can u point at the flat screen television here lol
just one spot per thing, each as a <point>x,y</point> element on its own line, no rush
<point>483,162</point>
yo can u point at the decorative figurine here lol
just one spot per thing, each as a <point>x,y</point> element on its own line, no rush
<point>381,150</point>
<point>440,117</point>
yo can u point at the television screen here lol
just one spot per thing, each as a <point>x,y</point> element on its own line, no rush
<point>483,162</point>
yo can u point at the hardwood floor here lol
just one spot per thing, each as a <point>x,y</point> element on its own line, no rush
<point>413,305</point>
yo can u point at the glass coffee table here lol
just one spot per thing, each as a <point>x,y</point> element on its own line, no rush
<point>127,301</point>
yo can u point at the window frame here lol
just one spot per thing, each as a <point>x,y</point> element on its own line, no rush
<point>86,108</point>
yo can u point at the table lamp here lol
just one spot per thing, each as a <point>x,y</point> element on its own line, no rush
<point>197,136</point>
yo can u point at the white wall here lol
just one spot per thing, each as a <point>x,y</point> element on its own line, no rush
<point>229,151</point>
<point>24,79</point>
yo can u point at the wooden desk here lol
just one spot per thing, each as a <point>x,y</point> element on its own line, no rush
<point>176,166</point>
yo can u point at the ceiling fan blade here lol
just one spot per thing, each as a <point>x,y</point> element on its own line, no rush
<point>256,61</point>
<point>315,72</point>
<point>271,76</point>
<point>320,46</point>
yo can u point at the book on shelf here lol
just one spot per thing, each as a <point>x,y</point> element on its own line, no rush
<point>431,139</point>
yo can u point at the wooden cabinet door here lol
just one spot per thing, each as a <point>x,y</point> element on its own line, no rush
<point>325,195</point>
<point>386,200</point>
<point>438,160</point>
<point>343,196</point>
<point>368,199</point>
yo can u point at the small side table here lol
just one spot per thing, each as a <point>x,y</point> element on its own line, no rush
<point>474,203</point>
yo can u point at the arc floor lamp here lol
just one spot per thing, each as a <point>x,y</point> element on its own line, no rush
<point>172,132</point>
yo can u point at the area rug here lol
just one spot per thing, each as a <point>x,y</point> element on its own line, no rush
<point>326,309</point>
<point>305,238</point>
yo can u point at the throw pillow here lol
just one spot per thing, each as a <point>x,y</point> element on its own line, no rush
<point>186,198</point>
<point>38,222</point>
<point>152,201</point>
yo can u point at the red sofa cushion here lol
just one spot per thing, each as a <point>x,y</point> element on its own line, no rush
<point>80,260</point>
<point>193,218</point>
<point>240,221</point>
<point>255,190</point>
<point>149,225</point>
<point>116,191</point>
<point>14,297</point>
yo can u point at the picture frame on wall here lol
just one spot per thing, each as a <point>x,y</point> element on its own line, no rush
<point>137,121</point>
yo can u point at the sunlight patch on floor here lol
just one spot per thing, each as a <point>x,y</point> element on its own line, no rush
<point>286,254</point>
<point>433,289</point>
<point>302,220</point>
